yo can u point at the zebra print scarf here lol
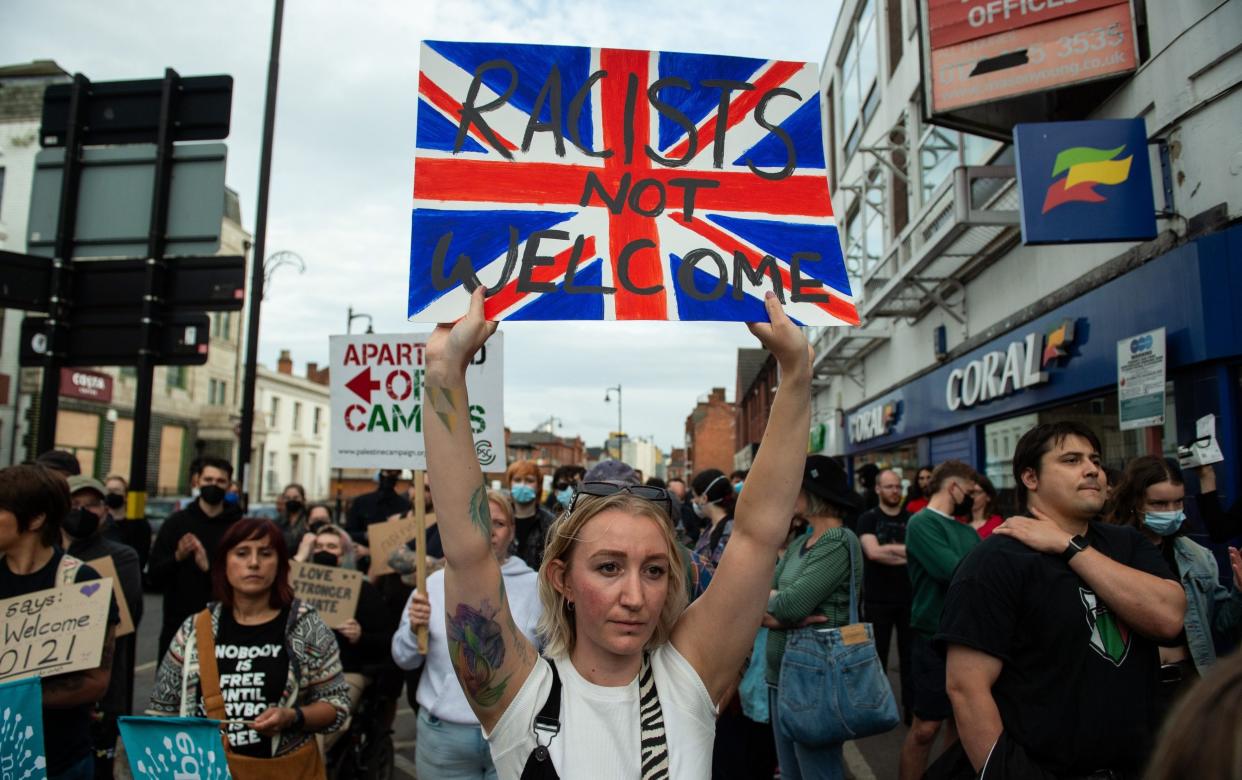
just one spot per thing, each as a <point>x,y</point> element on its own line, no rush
<point>651,719</point>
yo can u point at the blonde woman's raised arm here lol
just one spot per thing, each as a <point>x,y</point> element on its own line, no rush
<point>716,632</point>
<point>490,655</point>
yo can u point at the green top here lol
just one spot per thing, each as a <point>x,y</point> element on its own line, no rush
<point>811,581</point>
<point>935,545</point>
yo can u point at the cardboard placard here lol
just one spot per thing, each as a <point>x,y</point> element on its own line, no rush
<point>637,185</point>
<point>331,590</point>
<point>106,568</point>
<point>54,631</point>
<point>385,537</point>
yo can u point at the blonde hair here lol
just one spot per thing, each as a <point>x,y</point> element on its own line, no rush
<point>502,500</point>
<point>556,624</point>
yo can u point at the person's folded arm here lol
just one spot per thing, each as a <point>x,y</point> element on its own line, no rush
<point>820,575</point>
<point>969,677</point>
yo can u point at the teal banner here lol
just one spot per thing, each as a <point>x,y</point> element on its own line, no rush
<point>174,748</point>
<point>21,731</point>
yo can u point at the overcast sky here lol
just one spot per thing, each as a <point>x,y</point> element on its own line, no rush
<point>343,160</point>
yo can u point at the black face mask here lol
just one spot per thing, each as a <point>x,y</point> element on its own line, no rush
<point>294,508</point>
<point>316,525</point>
<point>965,507</point>
<point>80,523</point>
<point>387,484</point>
<point>325,558</point>
<point>212,495</point>
<point>114,500</point>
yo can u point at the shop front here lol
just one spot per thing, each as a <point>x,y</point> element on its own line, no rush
<point>1064,365</point>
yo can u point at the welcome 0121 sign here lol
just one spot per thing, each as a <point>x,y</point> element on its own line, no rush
<point>377,401</point>
<point>598,184</point>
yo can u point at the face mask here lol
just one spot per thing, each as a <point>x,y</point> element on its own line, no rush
<point>212,495</point>
<point>565,497</point>
<point>114,500</point>
<point>387,483</point>
<point>194,492</point>
<point>522,494</point>
<point>737,487</point>
<point>965,507</point>
<point>318,524</point>
<point>231,498</point>
<point>80,523</point>
<point>697,509</point>
<point>294,508</point>
<point>325,558</point>
<point>1164,523</point>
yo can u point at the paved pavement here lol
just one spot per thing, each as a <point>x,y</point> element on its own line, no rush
<point>875,758</point>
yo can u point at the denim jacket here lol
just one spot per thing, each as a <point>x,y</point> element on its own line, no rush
<point>1211,609</point>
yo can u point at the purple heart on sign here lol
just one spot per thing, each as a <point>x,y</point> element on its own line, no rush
<point>89,590</point>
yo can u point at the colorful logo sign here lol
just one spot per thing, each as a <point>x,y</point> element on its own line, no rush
<point>1085,167</point>
<point>1085,181</point>
<point>1001,373</point>
<point>1057,341</point>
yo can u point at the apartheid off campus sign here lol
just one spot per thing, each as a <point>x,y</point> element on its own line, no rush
<point>378,409</point>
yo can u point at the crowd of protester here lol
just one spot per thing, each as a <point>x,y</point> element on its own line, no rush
<point>1088,635</point>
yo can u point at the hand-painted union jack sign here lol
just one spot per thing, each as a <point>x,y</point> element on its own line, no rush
<point>588,184</point>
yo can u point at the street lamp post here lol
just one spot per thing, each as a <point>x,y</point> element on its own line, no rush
<point>620,429</point>
<point>350,315</point>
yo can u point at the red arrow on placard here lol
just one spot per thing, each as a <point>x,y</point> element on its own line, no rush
<point>362,385</point>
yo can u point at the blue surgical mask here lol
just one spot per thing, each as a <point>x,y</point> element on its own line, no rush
<point>565,497</point>
<point>522,494</point>
<point>1164,523</point>
<point>737,487</point>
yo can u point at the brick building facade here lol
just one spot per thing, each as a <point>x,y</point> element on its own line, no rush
<point>710,434</point>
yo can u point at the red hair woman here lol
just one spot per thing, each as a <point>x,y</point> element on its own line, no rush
<point>277,661</point>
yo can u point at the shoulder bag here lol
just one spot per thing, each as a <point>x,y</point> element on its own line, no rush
<point>305,762</point>
<point>832,685</point>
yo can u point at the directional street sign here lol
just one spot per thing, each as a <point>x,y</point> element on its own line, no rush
<point>128,112</point>
<point>115,340</point>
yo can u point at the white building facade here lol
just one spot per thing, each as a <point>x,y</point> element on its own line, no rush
<point>292,434</point>
<point>946,289</point>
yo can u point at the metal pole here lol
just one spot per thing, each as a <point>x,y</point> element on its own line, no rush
<point>256,260</point>
<point>62,278</point>
<point>153,310</point>
<point>620,428</point>
<point>340,473</point>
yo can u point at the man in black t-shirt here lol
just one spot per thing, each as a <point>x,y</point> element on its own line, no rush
<point>33,500</point>
<point>1051,625</point>
<point>886,583</point>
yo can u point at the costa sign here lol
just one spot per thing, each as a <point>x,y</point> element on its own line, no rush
<point>1000,373</point>
<point>86,385</point>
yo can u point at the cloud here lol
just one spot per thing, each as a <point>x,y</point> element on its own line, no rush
<point>343,161</point>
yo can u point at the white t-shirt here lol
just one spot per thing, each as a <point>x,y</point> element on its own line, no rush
<point>599,736</point>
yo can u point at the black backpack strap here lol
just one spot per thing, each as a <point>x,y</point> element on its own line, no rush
<point>548,720</point>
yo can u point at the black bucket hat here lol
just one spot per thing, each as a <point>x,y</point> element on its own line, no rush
<point>825,478</point>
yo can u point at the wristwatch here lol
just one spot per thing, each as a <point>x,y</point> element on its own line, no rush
<point>299,719</point>
<point>1076,545</point>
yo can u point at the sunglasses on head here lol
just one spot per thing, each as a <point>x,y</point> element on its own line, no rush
<point>645,492</point>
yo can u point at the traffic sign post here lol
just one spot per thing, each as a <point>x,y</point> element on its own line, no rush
<point>141,312</point>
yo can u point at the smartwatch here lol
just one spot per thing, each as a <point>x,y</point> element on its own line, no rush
<point>1076,545</point>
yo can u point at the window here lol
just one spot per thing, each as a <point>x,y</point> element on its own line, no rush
<point>1,187</point>
<point>274,418</point>
<point>865,233</point>
<point>294,474</point>
<point>859,99</point>
<point>316,420</point>
<point>893,23</point>
<point>297,416</point>
<point>216,392</point>
<point>221,324</point>
<point>176,377</point>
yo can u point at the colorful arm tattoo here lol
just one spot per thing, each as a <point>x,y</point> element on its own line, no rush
<point>477,647</point>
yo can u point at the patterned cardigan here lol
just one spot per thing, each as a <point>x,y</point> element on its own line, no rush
<point>314,672</point>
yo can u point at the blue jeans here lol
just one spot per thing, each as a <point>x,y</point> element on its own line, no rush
<point>451,751</point>
<point>799,762</point>
<point>83,770</point>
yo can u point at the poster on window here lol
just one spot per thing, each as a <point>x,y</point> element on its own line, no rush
<point>1140,380</point>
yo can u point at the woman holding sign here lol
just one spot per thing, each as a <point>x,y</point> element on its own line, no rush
<point>629,688</point>
<point>257,658</point>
